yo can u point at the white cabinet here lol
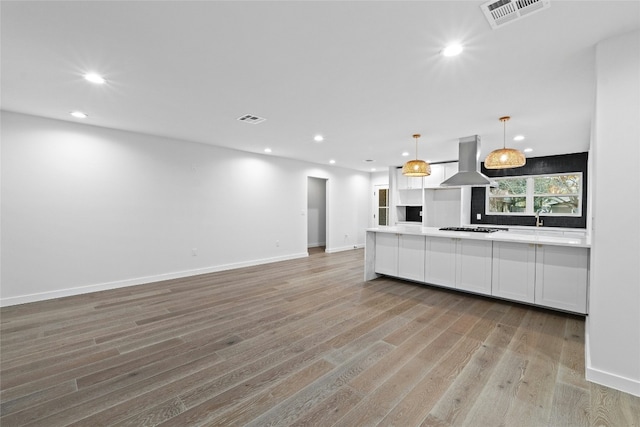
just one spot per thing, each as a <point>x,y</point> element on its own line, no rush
<point>450,169</point>
<point>545,275</point>
<point>386,257</point>
<point>458,263</point>
<point>514,271</point>
<point>440,261</point>
<point>400,255</point>
<point>436,177</point>
<point>411,257</point>
<point>562,277</point>
<point>473,266</point>
<point>440,172</point>
<point>407,182</point>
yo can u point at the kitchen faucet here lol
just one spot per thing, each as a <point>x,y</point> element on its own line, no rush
<point>538,220</point>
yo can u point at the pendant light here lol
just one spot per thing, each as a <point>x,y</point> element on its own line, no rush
<point>416,167</point>
<point>504,158</point>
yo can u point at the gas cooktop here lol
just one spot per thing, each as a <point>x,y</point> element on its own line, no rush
<point>474,229</point>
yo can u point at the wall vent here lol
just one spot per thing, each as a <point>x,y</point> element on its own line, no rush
<point>502,12</point>
<point>250,118</point>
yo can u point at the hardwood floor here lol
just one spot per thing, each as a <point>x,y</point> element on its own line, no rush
<point>302,343</point>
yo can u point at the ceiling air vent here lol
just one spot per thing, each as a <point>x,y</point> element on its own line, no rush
<point>502,12</point>
<point>250,118</point>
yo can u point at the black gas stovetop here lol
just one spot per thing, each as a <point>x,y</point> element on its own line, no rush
<point>474,229</point>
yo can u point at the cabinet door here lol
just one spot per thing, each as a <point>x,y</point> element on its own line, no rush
<point>562,277</point>
<point>386,261</point>
<point>436,177</point>
<point>401,180</point>
<point>473,266</point>
<point>450,169</point>
<point>514,269</point>
<point>440,261</point>
<point>411,257</point>
<point>407,182</point>
<point>414,183</point>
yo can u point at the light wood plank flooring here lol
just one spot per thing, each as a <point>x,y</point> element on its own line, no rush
<point>301,343</point>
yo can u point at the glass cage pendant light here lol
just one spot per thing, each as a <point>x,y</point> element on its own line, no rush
<point>504,158</point>
<point>416,167</point>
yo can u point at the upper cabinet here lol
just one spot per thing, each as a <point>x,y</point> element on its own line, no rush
<point>439,173</point>
<point>408,183</point>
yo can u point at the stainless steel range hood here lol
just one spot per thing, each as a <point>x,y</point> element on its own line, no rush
<point>468,165</point>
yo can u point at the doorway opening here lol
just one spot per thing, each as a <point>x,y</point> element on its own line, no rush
<point>316,215</point>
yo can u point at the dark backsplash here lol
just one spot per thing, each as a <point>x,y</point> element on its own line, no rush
<point>535,166</point>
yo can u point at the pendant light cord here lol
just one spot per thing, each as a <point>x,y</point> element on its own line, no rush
<point>504,121</point>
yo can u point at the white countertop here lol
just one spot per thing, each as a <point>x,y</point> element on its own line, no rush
<point>535,236</point>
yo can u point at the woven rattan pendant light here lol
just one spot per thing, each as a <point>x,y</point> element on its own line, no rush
<point>504,158</point>
<point>416,167</point>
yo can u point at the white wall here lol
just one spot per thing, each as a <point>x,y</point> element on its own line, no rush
<point>87,208</point>
<point>613,324</point>
<point>316,212</point>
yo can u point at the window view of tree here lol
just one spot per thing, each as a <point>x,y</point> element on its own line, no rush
<point>548,194</point>
<point>383,206</point>
<point>502,198</point>
<point>557,194</point>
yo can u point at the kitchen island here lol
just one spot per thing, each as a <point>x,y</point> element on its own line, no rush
<point>548,268</point>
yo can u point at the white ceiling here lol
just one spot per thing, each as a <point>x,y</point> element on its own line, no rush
<point>366,75</point>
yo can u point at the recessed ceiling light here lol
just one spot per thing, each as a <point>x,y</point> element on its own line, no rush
<point>78,114</point>
<point>94,78</point>
<point>267,150</point>
<point>452,50</point>
<point>373,169</point>
<point>528,150</point>
<point>318,138</point>
<point>405,153</point>
<point>518,138</point>
<point>332,161</point>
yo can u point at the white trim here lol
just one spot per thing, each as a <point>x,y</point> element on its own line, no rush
<point>617,382</point>
<point>23,299</point>
<point>344,248</point>
<point>607,379</point>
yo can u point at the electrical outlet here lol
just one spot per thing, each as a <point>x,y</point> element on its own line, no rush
<point>277,243</point>
<point>194,252</point>
<point>478,216</point>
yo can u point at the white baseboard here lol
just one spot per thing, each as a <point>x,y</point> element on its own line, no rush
<point>617,382</point>
<point>344,248</point>
<point>608,379</point>
<point>59,293</point>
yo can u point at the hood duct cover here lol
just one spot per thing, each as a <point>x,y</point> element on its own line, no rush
<point>468,165</point>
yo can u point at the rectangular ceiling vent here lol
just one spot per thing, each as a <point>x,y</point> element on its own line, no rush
<point>250,118</point>
<point>502,12</point>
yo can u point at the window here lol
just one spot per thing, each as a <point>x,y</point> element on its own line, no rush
<point>383,206</point>
<point>558,194</point>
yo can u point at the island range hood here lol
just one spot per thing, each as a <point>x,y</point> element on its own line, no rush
<point>468,165</point>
